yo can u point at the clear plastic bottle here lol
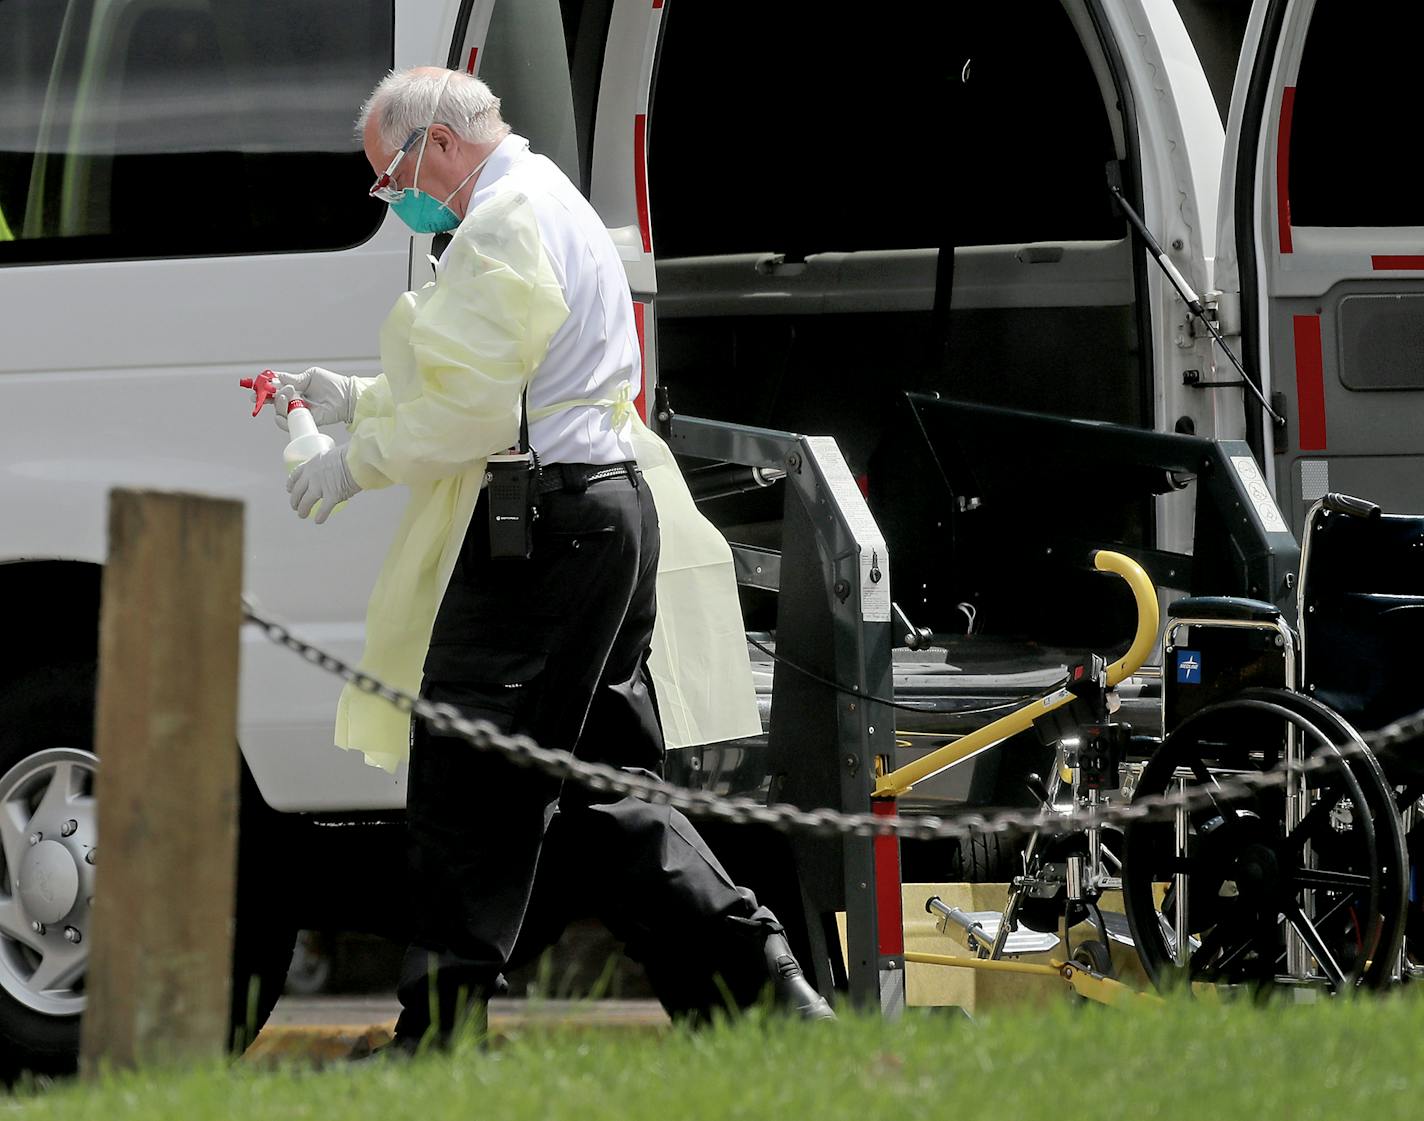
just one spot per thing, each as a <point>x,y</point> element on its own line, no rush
<point>306,441</point>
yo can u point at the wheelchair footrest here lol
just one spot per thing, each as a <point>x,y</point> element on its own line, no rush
<point>979,929</point>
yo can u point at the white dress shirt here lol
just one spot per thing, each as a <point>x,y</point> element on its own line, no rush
<point>596,350</point>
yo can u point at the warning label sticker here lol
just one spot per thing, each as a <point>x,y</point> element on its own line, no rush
<point>874,560</point>
<point>1259,493</point>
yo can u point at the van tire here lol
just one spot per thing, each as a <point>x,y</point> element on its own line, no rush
<point>984,859</point>
<point>47,709</point>
<point>53,708</point>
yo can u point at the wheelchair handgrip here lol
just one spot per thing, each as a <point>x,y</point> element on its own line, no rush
<point>1148,619</point>
<point>1348,504</point>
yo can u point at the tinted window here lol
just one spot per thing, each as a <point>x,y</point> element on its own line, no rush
<point>1382,341</point>
<point>779,127</point>
<point>144,128</point>
<point>1352,143</point>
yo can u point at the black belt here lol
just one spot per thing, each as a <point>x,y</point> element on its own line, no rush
<point>574,478</point>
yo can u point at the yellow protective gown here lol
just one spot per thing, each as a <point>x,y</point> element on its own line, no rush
<point>456,356</point>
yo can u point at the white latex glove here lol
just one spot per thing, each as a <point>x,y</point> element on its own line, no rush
<point>321,483</point>
<point>331,398</point>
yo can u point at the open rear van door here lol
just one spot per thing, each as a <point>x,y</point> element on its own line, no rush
<point>1322,236</point>
<point>618,180</point>
<point>575,79</point>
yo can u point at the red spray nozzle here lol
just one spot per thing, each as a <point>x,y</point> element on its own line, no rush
<point>264,385</point>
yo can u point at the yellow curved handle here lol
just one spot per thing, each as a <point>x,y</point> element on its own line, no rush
<point>898,781</point>
<point>1148,617</point>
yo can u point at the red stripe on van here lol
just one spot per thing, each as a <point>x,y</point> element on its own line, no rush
<point>640,178</point>
<point>640,312</point>
<point>470,66</point>
<point>1283,135</point>
<point>1310,383</point>
<point>657,4</point>
<point>1386,262</point>
<point>890,922</point>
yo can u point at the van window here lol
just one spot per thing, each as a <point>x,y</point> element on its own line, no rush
<point>777,129</point>
<point>1351,147</point>
<point>158,128</point>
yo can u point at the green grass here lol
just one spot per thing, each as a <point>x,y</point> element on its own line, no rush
<point>1358,1060</point>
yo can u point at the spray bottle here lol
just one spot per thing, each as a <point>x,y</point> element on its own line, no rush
<point>306,442</point>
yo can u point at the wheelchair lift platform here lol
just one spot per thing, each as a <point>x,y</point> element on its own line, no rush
<point>832,737</point>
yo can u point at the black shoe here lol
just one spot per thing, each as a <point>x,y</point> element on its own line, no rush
<point>792,991</point>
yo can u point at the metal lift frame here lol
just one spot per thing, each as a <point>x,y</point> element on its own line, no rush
<point>826,754</point>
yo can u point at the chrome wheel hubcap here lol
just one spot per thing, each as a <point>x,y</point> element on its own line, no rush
<point>48,846</point>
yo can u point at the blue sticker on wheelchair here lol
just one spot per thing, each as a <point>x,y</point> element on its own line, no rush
<point>1188,667</point>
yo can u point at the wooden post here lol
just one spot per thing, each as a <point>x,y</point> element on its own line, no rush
<point>166,735</point>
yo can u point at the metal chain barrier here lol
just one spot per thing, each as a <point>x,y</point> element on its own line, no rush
<point>562,765</point>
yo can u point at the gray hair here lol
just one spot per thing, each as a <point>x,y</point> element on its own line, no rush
<point>406,100</point>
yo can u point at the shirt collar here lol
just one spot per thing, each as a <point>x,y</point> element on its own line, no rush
<point>507,153</point>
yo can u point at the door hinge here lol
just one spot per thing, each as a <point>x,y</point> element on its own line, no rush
<point>1224,311</point>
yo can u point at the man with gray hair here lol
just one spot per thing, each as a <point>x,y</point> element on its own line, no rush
<point>525,350</point>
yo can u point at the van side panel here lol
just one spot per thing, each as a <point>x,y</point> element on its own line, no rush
<point>124,373</point>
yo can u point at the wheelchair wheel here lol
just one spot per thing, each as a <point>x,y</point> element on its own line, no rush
<point>1383,804</point>
<point>1336,880</point>
<point>1407,798</point>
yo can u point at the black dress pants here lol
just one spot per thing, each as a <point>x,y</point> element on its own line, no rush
<point>556,647</point>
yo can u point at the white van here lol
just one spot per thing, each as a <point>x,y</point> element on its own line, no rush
<point>815,210</point>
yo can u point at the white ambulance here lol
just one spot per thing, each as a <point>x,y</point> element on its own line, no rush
<point>815,208</point>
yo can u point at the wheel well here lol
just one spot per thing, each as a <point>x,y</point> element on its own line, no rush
<point>52,609</point>
<point>52,616</point>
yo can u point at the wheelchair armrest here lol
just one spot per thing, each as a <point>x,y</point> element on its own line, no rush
<point>1235,608</point>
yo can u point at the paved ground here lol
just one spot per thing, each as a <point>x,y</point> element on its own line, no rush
<point>328,1028</point>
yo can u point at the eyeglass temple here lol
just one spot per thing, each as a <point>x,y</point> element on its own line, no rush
<point>385,178</point>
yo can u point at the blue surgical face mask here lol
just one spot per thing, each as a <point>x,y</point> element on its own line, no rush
<point>424,213</point>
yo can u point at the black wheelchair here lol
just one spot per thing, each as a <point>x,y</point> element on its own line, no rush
<point>1289,858</point>
<point>1282,854</point>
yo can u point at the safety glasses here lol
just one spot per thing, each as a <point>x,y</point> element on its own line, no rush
<point>384,188</point>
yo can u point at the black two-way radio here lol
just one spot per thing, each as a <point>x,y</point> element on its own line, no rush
<point>511,481</point>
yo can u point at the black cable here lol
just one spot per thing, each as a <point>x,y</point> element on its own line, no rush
<point>839,688</point>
